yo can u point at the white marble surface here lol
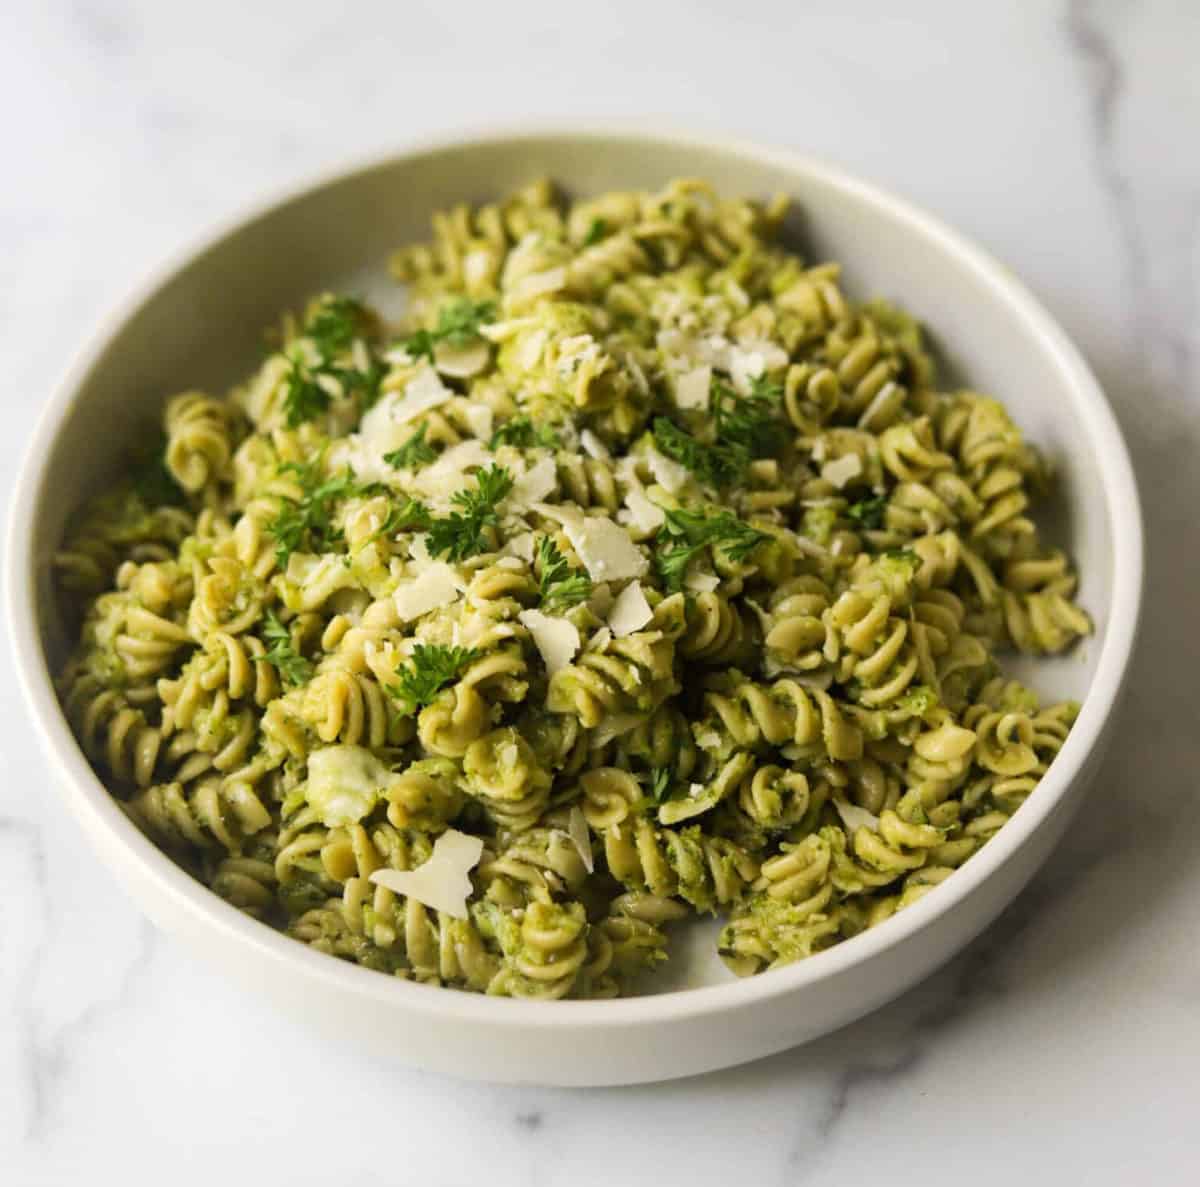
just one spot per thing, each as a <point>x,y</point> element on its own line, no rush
<point>1065,1043</point>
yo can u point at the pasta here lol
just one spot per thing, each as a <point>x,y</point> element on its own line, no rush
<point>642,573</point>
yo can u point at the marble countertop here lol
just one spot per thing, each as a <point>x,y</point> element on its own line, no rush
<point>1063,1044</point>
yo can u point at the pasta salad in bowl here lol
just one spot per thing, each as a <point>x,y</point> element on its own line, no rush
<point>605,561</point>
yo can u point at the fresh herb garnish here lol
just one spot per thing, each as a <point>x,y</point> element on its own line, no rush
<point>411,515</point>
<point>868,513</point>
<point>560,585</point>
<point>457,325</point>
<point>281,651</point>
<point>595,232</point>
<point>687,533</point>
<point>461,533</point>
<point>306,524</point>
<point>659,779</point>
<point>414,453</point>
<point>431,668</point>
<point>751,422</point>
<point>524,434</point>
<point>718,464</point>
<point>331,328</point>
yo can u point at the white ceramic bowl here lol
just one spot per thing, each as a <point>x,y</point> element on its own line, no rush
<point>198,322</point>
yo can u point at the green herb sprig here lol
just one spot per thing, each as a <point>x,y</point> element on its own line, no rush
<point>522,433</point>
<point>868,514</point>
<point>332,327</point>
<point>306,524</point>
<point>560,586</point>
<point>685,534</point>
<point>462,533</point>
<point>281,652</point>
<point>457,325</point>
<point>414,453</point>
<point>431,668</point>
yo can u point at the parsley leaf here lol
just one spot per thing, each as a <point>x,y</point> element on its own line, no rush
<point>332,328</point>
<point>660,784</point>
<point>684,534</point>
<point>461,533</point>
<point>524,434</point>
<point>414,453</point>
<point>560,585</point>
<point>752,421</point>
<point>282,653</point>
<point>717,465</point>
<point>458,325</point>
<point>306,525</point>
<point>868,513</point>
<point>595,232</point>
<point>335,324</point>
<point>303,398</point>
<point>432,667</point>
<point>412,514</point>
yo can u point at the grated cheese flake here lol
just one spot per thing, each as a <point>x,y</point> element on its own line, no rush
<point>593,446</point>
<point>642,515</point>
<point>556,638</point>
<point>630,611</point>
<point>443,883</point>
<point>692,387</point>
<point>437,585</point>
<point>606,549</point>
<point>577,830</point>
<point>670,475</point>
<point>534,485</point>
<point>842,469</point>
<point>854,817</point>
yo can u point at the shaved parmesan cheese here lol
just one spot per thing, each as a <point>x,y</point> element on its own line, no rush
<point>600,640</point>
<point>438,585</point>
<point>539,283</point>
<point>422,392</point>
<point>606,549</point>
<point>708,739</point>
<point>642,515</point>
<point>534,485</point>
<point>577,830</point>
<point>520,546</point>
<point>630,611</point>
<point>345,783</point>
<point>692,387</point>
<point>556,638</point>
<point>461,362</point>
<point>477,265</point>
<point>444,881</point>
<point>418,549</point>
<point>480,420</point>
<point>593,446</point>
<point>842,469</point>
<point>701,582</point>
<point>670,475</point>
<point>529,353</point>
<point>854,817</point>
<point>745,365</point>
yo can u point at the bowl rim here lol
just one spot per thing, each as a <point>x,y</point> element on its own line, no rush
<point>101,817</point>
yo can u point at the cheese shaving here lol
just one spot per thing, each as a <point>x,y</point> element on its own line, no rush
<point>670,475</point>
<point>692,388</point>
<point>641,514</point>
<point>593,446</point>
<point>345,783</point>
<point>556,638</point>
<point>606,549</point>
<point>630,611</point>
<point>577,830</point>
<point>854,817</point>
<point>842,469</point>
<point>443,883</point>
<point>437,585</point>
